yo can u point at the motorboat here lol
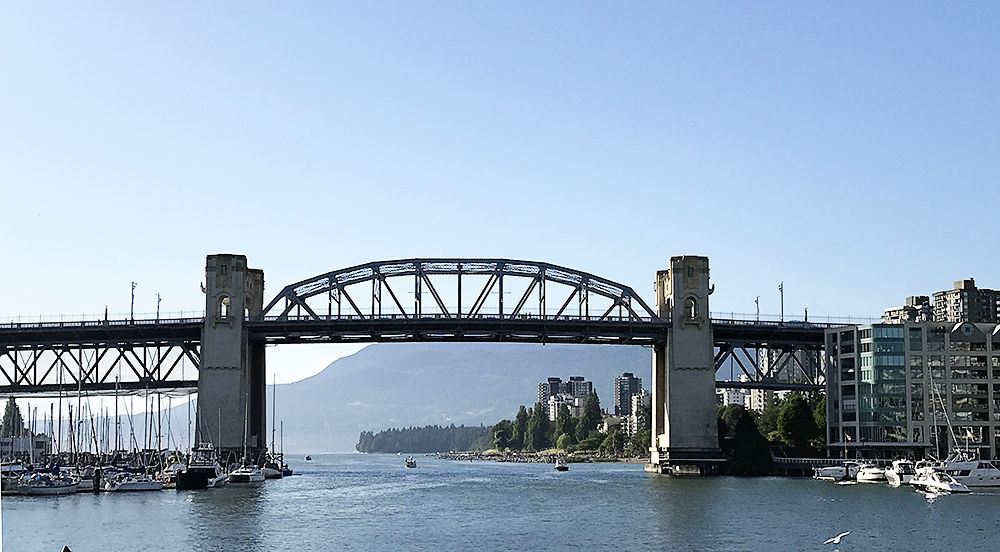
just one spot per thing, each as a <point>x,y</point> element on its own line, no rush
<point>934,481</point>
<point>202,471</point>
<point>246,474</point>
<point>900,472</point>
<point>410,462</point>
<point>45,484</point>
<point>125,481</point>
<point>308,458</point>
<point>847,470</point>
<point>971,471</point>
<point>870,473</point>
<point>561,464</point>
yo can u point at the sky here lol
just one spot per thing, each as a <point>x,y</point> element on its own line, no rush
<point>848,150</point>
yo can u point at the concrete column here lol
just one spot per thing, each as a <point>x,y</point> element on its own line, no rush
<point>685,434</point>
<point>231,380</point>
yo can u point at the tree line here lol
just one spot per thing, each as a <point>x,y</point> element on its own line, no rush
<point>426,439</point>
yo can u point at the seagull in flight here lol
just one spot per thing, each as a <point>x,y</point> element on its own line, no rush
<point>836,540</point>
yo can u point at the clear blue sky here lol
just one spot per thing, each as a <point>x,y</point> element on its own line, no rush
<point>848,149</point>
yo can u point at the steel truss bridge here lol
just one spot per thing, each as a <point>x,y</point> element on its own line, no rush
<point>446,300</point>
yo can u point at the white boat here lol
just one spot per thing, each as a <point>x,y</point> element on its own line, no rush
<point>125,481</point>
<point>246,474</point>
<point>561,464</point>
<point>410,462</point>
<point>900,473</point>
<point>10,475</point>
<point>308,458</point>
<point>934,481</point>
<point>44,484</point>
<point>272,468</point>
<point>870,473</point>
<point>848,470</point>
<point>972,472</point>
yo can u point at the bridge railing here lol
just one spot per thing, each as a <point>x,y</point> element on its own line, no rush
<point>479,316</point>
<point>98,323</point>
<point>773,320</point>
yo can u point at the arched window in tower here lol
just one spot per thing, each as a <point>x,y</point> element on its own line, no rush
<point>224,307</point>
<point>690,308</point>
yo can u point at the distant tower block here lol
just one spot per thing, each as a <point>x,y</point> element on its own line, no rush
<point>231,381</point>
<point>684,429</point>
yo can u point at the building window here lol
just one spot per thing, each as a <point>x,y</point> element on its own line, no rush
<point>690,308</point>
<point>224,307</point>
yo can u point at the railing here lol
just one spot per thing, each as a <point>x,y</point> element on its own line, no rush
<point>740,318</point>
<point>442,316</point>
<point>99,323</point>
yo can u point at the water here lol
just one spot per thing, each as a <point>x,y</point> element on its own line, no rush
<point>373,503</point>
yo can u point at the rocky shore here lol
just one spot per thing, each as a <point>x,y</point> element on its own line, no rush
<point>532,457</point>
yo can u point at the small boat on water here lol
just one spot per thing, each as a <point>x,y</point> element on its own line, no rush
<point>934,481</point>
<point>410,462</point>
<point>246,474</point>
<point>561,464</point>
<point>125,481</point>
<point>900,473</point>
<point>44,484</point>
<point>309,458</point>
<point>272,468</point>
<point>202,471</point>
<point>847,470</point>
<point>870,473</point>
<point>971,471</point>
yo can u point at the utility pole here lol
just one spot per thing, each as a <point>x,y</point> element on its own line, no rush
<point>781,288</point>
<point>157,307</point>
<point>757,302</point>
<point>131,312</point>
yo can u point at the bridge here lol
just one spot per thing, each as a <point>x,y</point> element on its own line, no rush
<point>221,355</point>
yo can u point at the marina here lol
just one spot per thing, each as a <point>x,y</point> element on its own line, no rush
<point>372,503</point>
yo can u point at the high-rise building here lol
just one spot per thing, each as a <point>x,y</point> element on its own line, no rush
<point>575,388</point>
<point>917,309</point>
<point>625,386</point>
<point>914,387</point>
<point>578,387</point>
<point>966,303</point>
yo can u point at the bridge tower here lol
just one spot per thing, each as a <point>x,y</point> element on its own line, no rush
<point>231,381</point>
<point>684,429</point>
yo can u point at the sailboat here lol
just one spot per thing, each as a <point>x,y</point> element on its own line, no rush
<point>272,464</point>
<point>246,473</point>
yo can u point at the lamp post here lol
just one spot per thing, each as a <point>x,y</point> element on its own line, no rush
<point>131,312</point>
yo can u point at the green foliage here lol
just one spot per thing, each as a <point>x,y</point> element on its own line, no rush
<point>13,423</point>
<point>590,420</point>
<point>520,426</point>
<point>502,433</point>
<point>767,420</point>
<point>819,414</point>
<point>614,443</point>
<point>424,439</point>
<point>565,441</point>
<point>537,434</point>
<point>796,422</point>
<point>747,451</point>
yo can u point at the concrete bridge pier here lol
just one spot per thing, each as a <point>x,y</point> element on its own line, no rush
<point>684,426</point>
<point>231,412</point>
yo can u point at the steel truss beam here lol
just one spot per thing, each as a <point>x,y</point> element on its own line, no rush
<point>533,282</point>
<point>99,358</point>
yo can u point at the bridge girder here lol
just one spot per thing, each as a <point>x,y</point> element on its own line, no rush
<point>531,282</point>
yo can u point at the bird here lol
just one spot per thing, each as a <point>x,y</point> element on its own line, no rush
<point>836,540</point>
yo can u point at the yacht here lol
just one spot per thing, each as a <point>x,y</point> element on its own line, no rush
<point>410,462</point>
<point>971,471</point>
<point>202,471</point>
<point>847,470</point>
<point>125,481</point>
<point>246,474</point>
<point>272,467</point>
<point>900,473</point>
<point>870,473</point>
<point>933,481</point>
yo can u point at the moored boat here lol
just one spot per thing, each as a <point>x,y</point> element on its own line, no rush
<point>202,470</point>
<point>900,473</point>
<point>561,464</point>
<point>935,481</point>
<point>870,473</point>
<point>44,484</point>
<point>245,474</point>
<point>847,470</point>
<point>971,471</point>
<point>125,481</point>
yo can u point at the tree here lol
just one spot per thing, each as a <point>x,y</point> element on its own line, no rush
<point>563,421</point>
<point>747,451</point>
<point>520,426</point>
<point>565,441</point>
<point>767,420</point>
<point>796,422</point>
<point>819,414</point>
<point>614,443</point>
<point>502,434</point>
<point>590,420</point>
<point>536,435</point>
<point>13,423</point>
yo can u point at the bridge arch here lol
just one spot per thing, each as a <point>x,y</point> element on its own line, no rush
<point>476,290</point>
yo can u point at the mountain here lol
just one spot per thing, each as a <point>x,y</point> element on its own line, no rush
<point>416,384</point>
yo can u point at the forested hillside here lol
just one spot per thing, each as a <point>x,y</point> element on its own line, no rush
<point>426,439</point>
